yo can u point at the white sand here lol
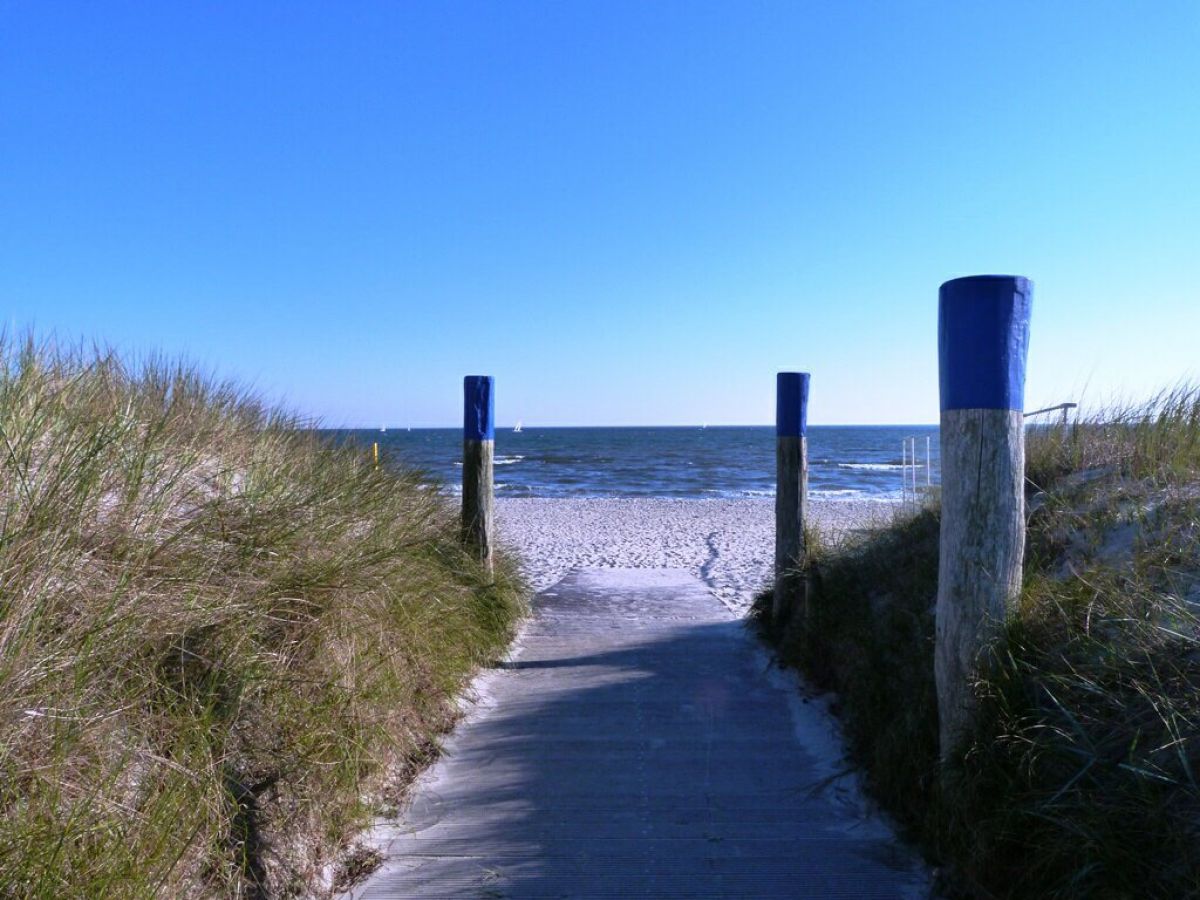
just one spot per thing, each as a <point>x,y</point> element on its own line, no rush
<point>729,544</point>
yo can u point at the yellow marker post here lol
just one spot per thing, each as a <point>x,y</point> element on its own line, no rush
<point>375,451</point>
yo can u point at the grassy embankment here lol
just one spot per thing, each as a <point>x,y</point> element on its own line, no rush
<point>223,642</point>
<point>1081,780</point>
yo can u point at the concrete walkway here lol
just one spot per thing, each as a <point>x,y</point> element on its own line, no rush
<point>636,746</point>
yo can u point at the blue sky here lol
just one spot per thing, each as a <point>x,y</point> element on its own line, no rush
<point>627,212</point>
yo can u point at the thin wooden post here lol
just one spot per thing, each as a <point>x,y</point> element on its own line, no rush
<point>983,341</point>
<point>479,439</point>
<point>791,492</point>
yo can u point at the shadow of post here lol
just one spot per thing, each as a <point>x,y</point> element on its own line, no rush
<point>635,747</point>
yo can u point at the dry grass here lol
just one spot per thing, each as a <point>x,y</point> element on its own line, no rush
<point>1081,780</point>
<point>223,641</point>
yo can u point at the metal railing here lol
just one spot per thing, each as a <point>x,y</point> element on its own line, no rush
<point>1065,407</point>
<point>910,466</point>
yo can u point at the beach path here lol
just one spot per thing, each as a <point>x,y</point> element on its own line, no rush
<point>635,745</point>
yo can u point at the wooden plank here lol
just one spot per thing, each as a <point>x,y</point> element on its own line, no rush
<point>983,343</point>
<point>982,543</point>
<point>478,500</point>
<point>478,494</point>
<point>791,492</point>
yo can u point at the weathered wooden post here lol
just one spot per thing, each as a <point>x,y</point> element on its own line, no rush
<point>479,436</point>
<point>791,492</point>
<point>983,340</point>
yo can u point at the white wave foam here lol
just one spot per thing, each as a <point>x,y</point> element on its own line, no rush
<point>727,494</point>
<point>882,467</point>
<point>498,461</point>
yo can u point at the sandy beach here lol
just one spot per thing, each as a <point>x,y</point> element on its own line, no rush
<point>729,544</point>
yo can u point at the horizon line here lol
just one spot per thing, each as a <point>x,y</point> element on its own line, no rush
<point>698,427</point>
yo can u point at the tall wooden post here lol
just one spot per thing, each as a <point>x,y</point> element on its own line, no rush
<point>983,340</point>
<point>791,492</point>
<point>479,439</point>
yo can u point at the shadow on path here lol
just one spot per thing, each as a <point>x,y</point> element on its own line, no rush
<point>635,747</point>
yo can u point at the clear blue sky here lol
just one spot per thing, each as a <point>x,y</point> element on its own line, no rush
<point>626,212</point>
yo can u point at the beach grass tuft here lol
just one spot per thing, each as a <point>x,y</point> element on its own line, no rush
<point>224,642</point>
<point>1081,779</point>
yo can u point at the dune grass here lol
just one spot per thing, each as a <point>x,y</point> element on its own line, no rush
<point>224,642</point>
<point>1081,778</point>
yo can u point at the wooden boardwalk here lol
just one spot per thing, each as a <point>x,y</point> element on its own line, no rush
<point>634,747</point>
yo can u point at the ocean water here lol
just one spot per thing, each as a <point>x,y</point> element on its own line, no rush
<point>850,462</point>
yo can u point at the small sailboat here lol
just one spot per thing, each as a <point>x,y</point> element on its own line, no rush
<point>517,427</point>
<point>383,429</point>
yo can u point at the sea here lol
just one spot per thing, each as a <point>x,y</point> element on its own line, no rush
<point>848,462</point>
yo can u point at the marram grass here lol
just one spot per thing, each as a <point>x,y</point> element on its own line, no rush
<point>223,642</point>
<point>1082,778</point>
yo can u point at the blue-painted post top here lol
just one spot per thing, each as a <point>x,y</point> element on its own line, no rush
<point>791,404</point>
<point>983,341</point>
<point>479,408</point>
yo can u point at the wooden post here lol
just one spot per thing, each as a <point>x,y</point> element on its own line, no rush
<point>791,492</point>
<point>479,438</point>
<point>983,340</point>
